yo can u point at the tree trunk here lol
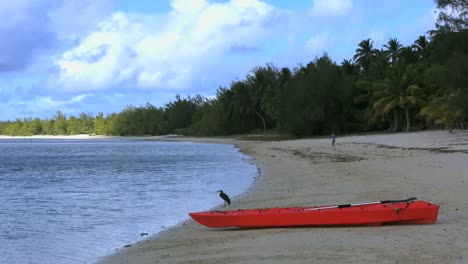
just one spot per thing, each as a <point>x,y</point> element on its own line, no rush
<point>460,123</point>
<point>407,119</point>
<point>263,121</point>
<point>395,121</point>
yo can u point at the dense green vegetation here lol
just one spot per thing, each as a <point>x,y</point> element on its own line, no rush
<point>424,85</point>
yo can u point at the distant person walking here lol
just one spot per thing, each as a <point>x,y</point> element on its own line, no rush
<point>333,137</point>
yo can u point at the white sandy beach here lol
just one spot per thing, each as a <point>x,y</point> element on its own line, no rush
<point>432,166</point>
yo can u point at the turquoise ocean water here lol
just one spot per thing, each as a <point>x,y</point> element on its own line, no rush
<point>74,201</point>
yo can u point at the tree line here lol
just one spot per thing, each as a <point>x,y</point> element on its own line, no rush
<point>394,87</point>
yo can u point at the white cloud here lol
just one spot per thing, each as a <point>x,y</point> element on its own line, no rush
<point>331,7</point>
<point>184,6</point>
<point>152,53</point>
<point>24,30</point>
<point>76,17</point>
<point>17,107</point>
<point>31,28</point>
<point>46,102</point>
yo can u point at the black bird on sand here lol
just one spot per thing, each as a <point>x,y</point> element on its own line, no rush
<point>225,197</point>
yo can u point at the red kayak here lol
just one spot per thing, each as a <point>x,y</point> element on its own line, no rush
<point>409,211</point>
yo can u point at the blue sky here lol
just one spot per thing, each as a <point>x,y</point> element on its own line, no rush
<point>101,55</point>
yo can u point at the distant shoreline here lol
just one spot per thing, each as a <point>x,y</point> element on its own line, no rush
<point>81,136</point>
<point>214,140</point>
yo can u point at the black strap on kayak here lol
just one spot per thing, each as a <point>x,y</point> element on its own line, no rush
<point>399,201</point>
<point>381,202</point>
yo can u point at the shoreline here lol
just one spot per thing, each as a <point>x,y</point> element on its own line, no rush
<point>430,165</point>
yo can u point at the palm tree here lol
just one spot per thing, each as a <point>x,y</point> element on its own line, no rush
<point>379,65</point>
<point>399,90</point>
<point>264,86</point>
<point>348,66</point>
<point>364,54</point>
<point>246,101</point>
<point>284,78</point>
<point>446,110</point>
<point>420,46</point>
<point>409,56</point>
<point>394,48</point>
